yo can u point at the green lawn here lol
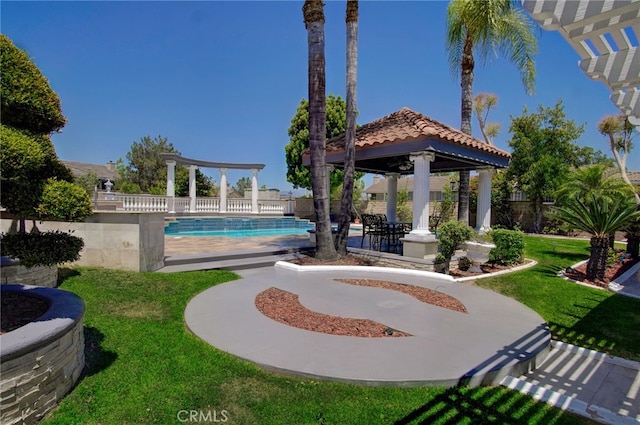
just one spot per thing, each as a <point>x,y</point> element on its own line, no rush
<point>576,314</point>
<point>145,367</point>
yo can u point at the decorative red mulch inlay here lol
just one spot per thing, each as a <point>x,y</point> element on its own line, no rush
<point>284,307</point>
<point>425,295</point>
<point>612,272</point>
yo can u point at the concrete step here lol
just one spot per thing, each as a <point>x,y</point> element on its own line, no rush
<point>229,264</point>
<point>228,255</point>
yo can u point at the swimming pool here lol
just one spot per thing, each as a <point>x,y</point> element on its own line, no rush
<point>237,227</point>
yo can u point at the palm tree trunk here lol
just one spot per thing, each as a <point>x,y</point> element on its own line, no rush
<point>598,259</point>
<point>313,12</point>
<point>466,113</point>
<point>633,244</point>
<point>350,136</point>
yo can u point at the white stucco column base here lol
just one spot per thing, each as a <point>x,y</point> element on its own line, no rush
<point>415,245</point>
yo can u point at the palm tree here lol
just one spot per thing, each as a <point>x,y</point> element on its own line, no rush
<point>313,13</point>
<point>598,179</point>
<point>487,26</point>
<point>599,217</point>
<point>346,204</point>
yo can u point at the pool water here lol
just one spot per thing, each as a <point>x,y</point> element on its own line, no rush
<point>237,227</point>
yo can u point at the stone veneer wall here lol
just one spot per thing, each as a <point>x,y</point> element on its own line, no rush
<point>114,240</point>
<point>41,361</point>
<point>39,275</point>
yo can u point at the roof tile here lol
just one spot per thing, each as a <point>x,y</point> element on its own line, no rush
<point>406,124</point>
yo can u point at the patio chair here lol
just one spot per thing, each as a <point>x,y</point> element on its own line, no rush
<point>372,226</point>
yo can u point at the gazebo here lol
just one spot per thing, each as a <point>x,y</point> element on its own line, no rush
<point>406,142</point>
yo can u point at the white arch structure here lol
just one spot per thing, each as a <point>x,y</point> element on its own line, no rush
<point>172,159</point>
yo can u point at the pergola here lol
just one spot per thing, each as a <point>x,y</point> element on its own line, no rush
<point>407,142</point>
<point>172,159</point>
<point>605,34</point>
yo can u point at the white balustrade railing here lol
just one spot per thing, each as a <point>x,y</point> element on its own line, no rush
<point>159,203</point>
<point>271,207</point>
<point>182,204</point>
<point>146,203</point>
<point>208,204</point>
<point>239,205</point>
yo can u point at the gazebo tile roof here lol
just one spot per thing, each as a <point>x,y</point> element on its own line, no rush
<point>405,125</point>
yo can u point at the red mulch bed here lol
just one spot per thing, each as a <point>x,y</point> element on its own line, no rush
<point>284,307</point>
<point>611,273</point>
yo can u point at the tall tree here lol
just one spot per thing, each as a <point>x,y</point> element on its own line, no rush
<point>544,151</point>
<point>145,166</point>
<point>298,174</point>
<point>620,132</point>
<point>346,204</point>
<point>313,13</point>
<point>485,27</point>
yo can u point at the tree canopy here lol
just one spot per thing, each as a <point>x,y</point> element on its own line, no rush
<point>28,102</point>
<point>297,174</point>
<point>544,151</point>
<point>28,161</point>
<point>145,171</point>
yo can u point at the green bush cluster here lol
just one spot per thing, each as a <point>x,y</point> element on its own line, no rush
<point>509,246</point>
<point>450,235</point>
<point>62,200</point>
<point>42,249</point>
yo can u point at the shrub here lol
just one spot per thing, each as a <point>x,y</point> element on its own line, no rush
<point>509,246</point>
<point>66,201</point>
<point>42,249</point>
<point>450,235</point>
<point>28,102</point>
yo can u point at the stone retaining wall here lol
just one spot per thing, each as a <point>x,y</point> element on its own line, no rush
<point>41,361</point>
<point>13,272</point>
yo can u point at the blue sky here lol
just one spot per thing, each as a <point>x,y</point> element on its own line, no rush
<point>222,80</point>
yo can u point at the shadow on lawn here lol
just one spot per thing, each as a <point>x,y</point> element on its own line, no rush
<point>65,273</point>
<point>484,405</point>
<point>96,358</point>
<point>603,322</point>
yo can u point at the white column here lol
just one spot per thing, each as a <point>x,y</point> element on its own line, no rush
<point>254,191</point>
<point>392,196</point>
<point>421,173</point>
<point>171,190</point>
<point>192,188</point>
<point>483,215</point>
<point>223,190</point>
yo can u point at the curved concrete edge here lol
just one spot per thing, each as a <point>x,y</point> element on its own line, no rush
<point>66,310</point>
<point>617,285</point>
<point>530,264</point>
<point>285,265</point>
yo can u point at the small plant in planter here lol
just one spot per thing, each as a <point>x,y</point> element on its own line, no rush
<point>450,236</point>
<point>439,263</point>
